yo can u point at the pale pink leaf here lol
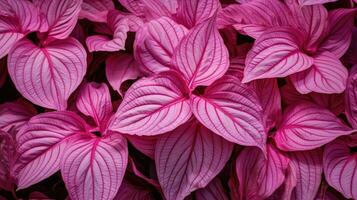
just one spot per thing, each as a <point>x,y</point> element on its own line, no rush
<point>41,144</point>
<point>153,106</point>
<point>93,168</point>
<point>96,10</point>
<point>313,2</point>
<point>120,68</point>
<point>201,56</point>
<point>61,15</point>
<point>255,17</point>
<point>231,110</point>
<point>340,167</point>
<point>188,158</point>
<point>193,12</point>
<point>47,75</point>
<point>307,166</point>
<point>327,75</point>
<point>213,191</point>
<point>277,53</point>
<point>351,97</point>
<point>308,126</point>
<point>259,175</point>
<point>145,144</point>
<point>155,43</point>
<point>13,115</point>
<point>94,100</point>
<point>339,31</point>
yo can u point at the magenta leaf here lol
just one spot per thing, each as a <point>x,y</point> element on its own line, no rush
<point>155,43</point>
<point>7,159</point>
<point>340,31</point>
<point>153,106</point>
<point>307,167</point>
<point>213,191</point>
<point>93,168</point>
<point>94,100</point>
<point>188,158</point>
<point>201,56</point>
<point>351,97</point>
<point>62,16</point>
<point>249,19</point>
<point>96,10</point>
<point>159,8</point>
<point>145,144</point>
<point>231,110</point>
<point>193,12</point>
<point>41,144</point>
<point>277,53</point>
<point>13,115</point>
<point>308,126</point>
<point>260,176</point>
<point>313,2</point>
<point>137,7</point>
<point>133,192</point>
<point>47,75</point>
<point>327,75</point>
<point>340,167</point>
<point>120,68</point>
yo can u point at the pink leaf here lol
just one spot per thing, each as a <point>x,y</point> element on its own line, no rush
<point>130,191</point>
<point>327,75</point>
<point>157,8</point>
<point>307,166</point>
<point>137,7</point>
<point>47,75</point>
<point>153,106</point>
<point>308,126</point>
<point>62,16</point>
<point>201,56</point>
<point>145,144</point>
<point>96,10</point>
<point>7,160</point>
<point>94,100</point>
<point>213,191</point>
<point>119,26</point>
<point>351,97</point>
<point>155,43</point>
<point>41,144</point>
<point>325,193</point>
<point>313,2</point>
<point>260,176</point>
<point>93,168</point>
<point>188,158</point>
<point>120,68</point>
<point>231,110</point>
<point>340,31</point>
<point>249,19</point>
<point>340,167</point>
<point>15,115</point>
<point>277,53</point>
<point>193,12</point>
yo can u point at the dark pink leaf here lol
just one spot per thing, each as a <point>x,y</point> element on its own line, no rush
<point>7,159</point>
<point>13,115</point>
<point>137,7</point>
<point>41,144</point>
<point>157,8</point>
<point>62,16</point>
<point>313,2</point>
<point>231,110</point>
<point>201,56</point>
<point>193,12</point>
<point>93,168</point>
<point>145,144</point>
<point>93,100</point>
<point>339,32</point>
<point>188,158</point>
<point>327,75</point>
<point>255,17</point>
<point>259,175</point>
<point>47,75</point>
<point>351,97</point>
<point>96,10</point>
<point>155,43</point>
<point>307,167</point>
<point>308,126</point>
<point>120,68</point>
<point>277,53</point>
<point>340,167</point>
<point>213,191</point>
<point>153,106</point>
<point>130,191</point>
<point>325,193</point>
